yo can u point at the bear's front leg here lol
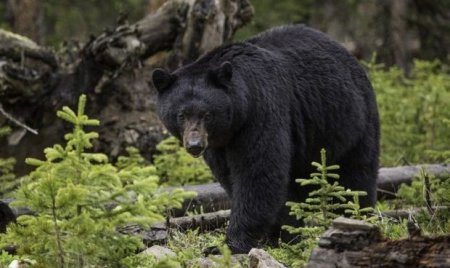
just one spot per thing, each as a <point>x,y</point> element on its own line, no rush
<point>260,180</point>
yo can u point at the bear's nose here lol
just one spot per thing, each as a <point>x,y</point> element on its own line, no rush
<point>194,145</point>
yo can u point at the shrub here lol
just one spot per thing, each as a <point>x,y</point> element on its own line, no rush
<point>414,112</point>
<point>432,194</point>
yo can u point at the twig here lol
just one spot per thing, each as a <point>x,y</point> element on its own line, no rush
<point>427,191</point>
<point>17,122</point>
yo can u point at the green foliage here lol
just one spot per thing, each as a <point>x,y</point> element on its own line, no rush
<point>414,112</point>
<point>80,199</point>
<point>8,180</point>
<point>176,167</point>
<point>5,259</point>
<point>393,228</point>
<point>427,199</point>
<point>297,254</point>
<point>320,207</point>
<point>5,131</point>
<point>86,17</point>
<point>82,18</point>
<point>354,209</point>
<point>390,227</point>
<point>189,246</point>
<point>3,10</point>
<point>319,210</point>
<point>270,13</point>
<point>433,194</point>
<point>441,154</point>
<point>133,160</point>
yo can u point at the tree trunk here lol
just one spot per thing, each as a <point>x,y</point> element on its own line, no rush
<point>112,70</point>
<point>26,18</point>
<point>398,34</point>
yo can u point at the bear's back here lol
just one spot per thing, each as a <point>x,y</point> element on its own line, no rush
<point>286,36</point>
<point>297,40</point>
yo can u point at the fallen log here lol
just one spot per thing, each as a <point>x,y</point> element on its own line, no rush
<point>202,222</point>
<point>159,232</point>
<point>408,213</point>
<point>212,197</point>
<point>352,243</point>
<point>390,179</point>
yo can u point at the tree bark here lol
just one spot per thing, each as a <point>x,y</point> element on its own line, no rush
<point>352,243</point>
<point>112,69</point>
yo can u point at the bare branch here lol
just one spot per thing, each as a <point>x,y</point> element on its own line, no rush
<point>17,122</point>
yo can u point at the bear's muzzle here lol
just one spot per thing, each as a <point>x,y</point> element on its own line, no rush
<point>195,138</point>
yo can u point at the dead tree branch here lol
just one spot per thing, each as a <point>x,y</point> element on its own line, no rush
<point>112,69</point>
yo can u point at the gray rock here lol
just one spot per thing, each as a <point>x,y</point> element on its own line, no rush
<point>261,259</point>
<point>159,252</point>
<point>349,234</point>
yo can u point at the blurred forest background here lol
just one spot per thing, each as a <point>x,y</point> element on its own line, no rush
<point>397,30</point>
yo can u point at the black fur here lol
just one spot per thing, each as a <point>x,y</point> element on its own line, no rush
<point>284,95</point>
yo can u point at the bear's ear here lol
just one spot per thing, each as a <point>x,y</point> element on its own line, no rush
<point>161,79</point>
<point>222,75</point>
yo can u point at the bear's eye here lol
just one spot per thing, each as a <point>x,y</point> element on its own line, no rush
<point>207,117</point>
<point>180,117</point>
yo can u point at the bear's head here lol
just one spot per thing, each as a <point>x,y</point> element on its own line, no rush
<point>195,105</point>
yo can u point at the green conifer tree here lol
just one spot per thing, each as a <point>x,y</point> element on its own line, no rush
<point>320,208</point>
<point>79,199</point>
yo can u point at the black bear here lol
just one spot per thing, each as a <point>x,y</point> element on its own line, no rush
<point>261,110</point>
